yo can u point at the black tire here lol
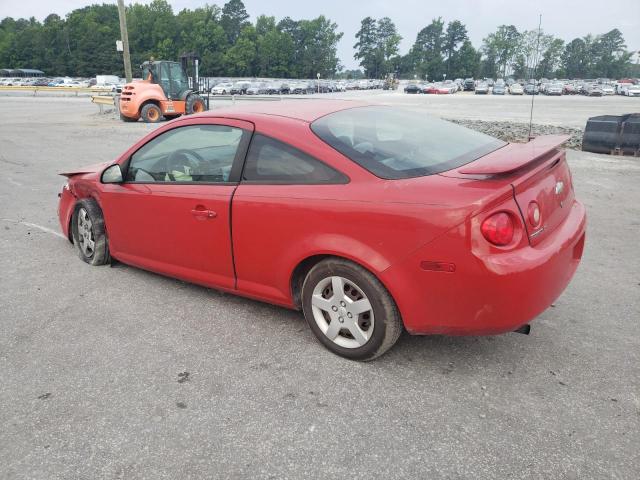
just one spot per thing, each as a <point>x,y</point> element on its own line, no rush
<point>195,104</point>
<point>387,323</point>
<point>151,113</point>
<point>99,254</point>
<point>124,118</point>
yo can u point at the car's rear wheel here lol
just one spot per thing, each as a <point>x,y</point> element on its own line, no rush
<point>349,310</point>
<point>89,235</point>
<point>151,113</point>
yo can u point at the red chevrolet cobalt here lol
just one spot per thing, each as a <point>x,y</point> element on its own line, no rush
<point>369,219</point>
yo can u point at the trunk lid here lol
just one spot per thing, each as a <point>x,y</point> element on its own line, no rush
<point>537,172</point>
<point>551,188</point>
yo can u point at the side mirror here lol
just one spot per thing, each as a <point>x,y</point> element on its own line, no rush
<point>113,174</point>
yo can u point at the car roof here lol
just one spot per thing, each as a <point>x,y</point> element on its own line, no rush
<point>305,110</point>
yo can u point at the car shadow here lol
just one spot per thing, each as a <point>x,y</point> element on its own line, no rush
<point>438,351</point>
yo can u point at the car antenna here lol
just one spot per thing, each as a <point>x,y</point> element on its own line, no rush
<point>535,68</point>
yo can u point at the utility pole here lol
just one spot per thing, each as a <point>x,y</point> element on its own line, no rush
<point>125,41</point>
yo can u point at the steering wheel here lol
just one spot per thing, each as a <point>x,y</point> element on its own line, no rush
<point>178,159</point>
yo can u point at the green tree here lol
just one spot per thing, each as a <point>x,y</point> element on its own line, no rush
<point>465,63</point>
<point>455,35</point>
<point>551,57</point>
<point>387,43</point>
<point>274,49</point>
<point>575,58</point>
<point>500,49</point>
<point>366,46</point>
<point>200,32</point>
<point>241,56</point>
<point>610,55</point>
<point>317,47</point>
<point>234,19</point>
<point>426,52</point>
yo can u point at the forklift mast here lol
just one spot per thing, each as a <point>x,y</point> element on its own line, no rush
<point>190,62</point>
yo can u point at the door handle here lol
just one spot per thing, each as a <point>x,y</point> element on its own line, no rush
<point>203,213</point>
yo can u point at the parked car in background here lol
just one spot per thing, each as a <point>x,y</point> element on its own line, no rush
<point>607,89</point>
<point>258,88</point>
<point>275,88</point>
<point>499,89</point>
<point>482,88</point>
<point>531,89</point>
<point>55,82</point>
<point>240,88</point>
<point>447,87</point>
<point>107,80</point>
<point>469,85</point>
<point>223,88</point>
<point>429,88</point>
<point>593,90</point>
<point>303,88</point>
<point>631,90</point>
<point>412,88</point>
<point>554,89</point>
<point>516,89</point>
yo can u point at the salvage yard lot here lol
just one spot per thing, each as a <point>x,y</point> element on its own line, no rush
<point>93,361</point>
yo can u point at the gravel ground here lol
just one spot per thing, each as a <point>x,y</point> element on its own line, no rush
<point>519,132</point>
<point>118,373</point>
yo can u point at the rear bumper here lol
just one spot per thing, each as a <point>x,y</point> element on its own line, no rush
<point>486,294</point>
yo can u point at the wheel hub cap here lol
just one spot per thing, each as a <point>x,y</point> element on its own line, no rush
<point>342,312</point>
<point>85,233</point>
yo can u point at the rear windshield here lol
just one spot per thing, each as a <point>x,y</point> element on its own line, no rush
<point>394,143</point>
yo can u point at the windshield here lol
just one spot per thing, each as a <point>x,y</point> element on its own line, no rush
<point>394,143</point>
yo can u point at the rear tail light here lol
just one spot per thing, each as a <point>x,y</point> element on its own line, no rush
<point>498,229</point>
<point>533,214</point>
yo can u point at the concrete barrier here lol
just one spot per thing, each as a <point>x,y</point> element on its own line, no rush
<point>35,90</point>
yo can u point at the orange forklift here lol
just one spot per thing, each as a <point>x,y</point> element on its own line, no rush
<point>164,91</point>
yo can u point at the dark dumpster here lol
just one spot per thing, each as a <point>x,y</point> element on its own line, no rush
<point>613,134</point>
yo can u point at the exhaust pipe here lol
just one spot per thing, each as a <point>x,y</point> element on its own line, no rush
<point>524,329</point>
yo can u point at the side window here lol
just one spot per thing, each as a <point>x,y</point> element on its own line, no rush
<point>196,153</point>
<point>270,160</point>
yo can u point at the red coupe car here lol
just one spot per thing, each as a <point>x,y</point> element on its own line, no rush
<point>369,219</point>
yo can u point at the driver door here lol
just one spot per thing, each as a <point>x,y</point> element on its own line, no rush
<point>171,213</point>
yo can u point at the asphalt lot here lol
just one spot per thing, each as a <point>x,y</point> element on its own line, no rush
<point>92,360</point>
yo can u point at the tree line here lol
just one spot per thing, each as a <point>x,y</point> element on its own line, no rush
<point>229,44</point>
<point>84,42</point>
<point>444,51</point>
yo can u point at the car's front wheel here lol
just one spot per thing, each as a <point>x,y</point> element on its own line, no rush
<point>349,310</point>
<point>89,234</point>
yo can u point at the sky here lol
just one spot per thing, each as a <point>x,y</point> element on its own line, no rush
<point>566,19</point>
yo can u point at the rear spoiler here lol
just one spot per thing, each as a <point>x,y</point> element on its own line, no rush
<point>514,156</point>
<point>87,169</point>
